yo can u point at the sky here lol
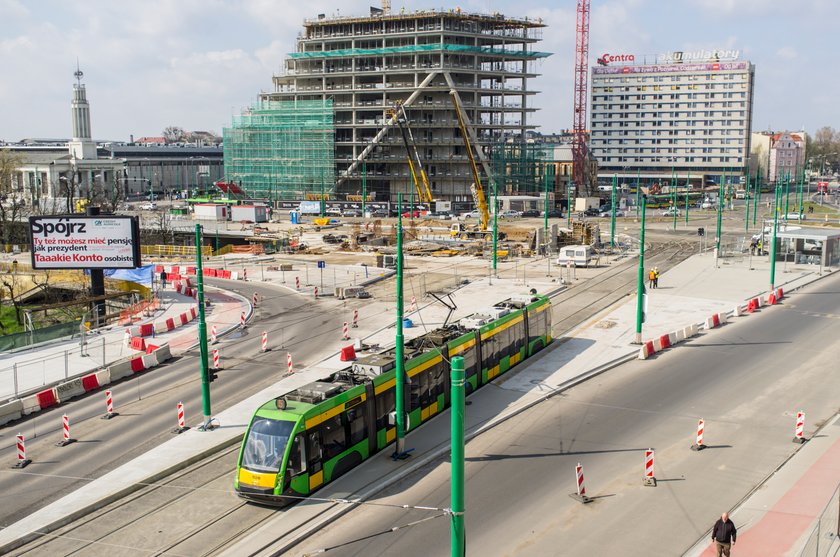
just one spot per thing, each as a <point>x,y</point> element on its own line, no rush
<point>194,63</point>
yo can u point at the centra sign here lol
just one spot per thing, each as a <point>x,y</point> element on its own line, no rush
<point>606,59</point>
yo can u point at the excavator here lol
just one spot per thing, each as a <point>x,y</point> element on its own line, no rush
<point>459,230</point>
<point>423,191</point>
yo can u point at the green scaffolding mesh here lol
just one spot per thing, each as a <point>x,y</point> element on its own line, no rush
<point>519,168</point>
<point>282,149</point>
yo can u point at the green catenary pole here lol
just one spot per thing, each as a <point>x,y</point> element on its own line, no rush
<point>569,206</point>
<point>757,195</point>
<point>687,190</point>
<point>364,186</point>
<point>747,204</point>
<point>674,196</point>
<point>787,193</point>
<point>458,535</point>
<point>638,190</point>
<point>773,243</point>
<point>719,214</point>
<point>495,225</point>
<point>640,282</point>
<point>545,212</point>
<point>400,373</point>
<point>612,213</point>
<point>202,331</point>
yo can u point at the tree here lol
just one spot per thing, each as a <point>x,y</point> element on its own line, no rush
<point>174,134</point>
<point>12,201</point>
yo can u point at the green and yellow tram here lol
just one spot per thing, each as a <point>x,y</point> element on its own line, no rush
<point>314,434</point>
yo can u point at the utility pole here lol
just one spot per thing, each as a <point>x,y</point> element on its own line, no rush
<point>322,193</point>
<point>638,191</point>
<point>787,193</point>
<point>719,214</point>
<point>399,452</point>
<point>495,226</point>
<point>364,186</point>
<point>202,333</point>
<point>747,203</point>
<point>458,535</point>
<point>773,243</point>
<point>640,281</point>
<point>687,190</point>
<point>757,196</point>
<point>674,196</point>
<point>612,214</point>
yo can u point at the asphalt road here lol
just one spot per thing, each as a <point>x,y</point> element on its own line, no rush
<point>747,380</point>
<point>147,403</point>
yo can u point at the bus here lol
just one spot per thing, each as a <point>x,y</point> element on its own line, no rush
<point>301,441</point>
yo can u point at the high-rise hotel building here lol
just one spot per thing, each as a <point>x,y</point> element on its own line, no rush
<point>690,115</point>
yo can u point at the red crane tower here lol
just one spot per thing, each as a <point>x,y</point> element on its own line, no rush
<point>579,168</point>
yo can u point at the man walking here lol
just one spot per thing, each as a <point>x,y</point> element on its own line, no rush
<point>724,535</point>
<point>651,278</point>
<point>656,277</point>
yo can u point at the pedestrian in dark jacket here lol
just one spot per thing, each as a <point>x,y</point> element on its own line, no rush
<point>724,535</point>
<point>163,280</point>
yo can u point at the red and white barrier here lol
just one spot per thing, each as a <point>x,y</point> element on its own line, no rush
<point>800,427</point>
<point>581,488</point>
<point>413,306</point>
<point>316,291</point>
<point>355,318</point>
<point>345,335</point>
<point>771,299</point>
<point>698,445</point>
<point>289,362</point>
<point>182,423</point>
<point>242,320</point>
<point>109,405</point>
<point>779,293</point>
<point>264,341</point>
<point>254,299</point>
<point>297,283</point>
<point>65,429</point>
<point>715,320</point>
<point>216,359</point>
<point>213,335</point>
<point>649,478</point>
<point>21,452</point>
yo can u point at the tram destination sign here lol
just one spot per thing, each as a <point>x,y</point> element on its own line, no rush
<point>84,242</point>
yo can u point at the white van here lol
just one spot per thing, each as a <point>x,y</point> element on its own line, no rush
<point>580,256</point>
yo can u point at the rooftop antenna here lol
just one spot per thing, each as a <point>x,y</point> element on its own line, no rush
<point>78,73</point>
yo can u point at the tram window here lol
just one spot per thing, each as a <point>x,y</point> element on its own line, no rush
<point>297,457</point>
<point>436,380</point>
<point>415,391</point>
<point>266,444</point>
<point>518,333</point>
<point>385,404</point>
<point>503,338</point>
<point>469,361</point>
<point>356,421</point>
<point>315,450</point>
<point>334,437</point>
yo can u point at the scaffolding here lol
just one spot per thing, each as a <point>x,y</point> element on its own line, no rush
<point>282,149</point>
<point>519,168</point>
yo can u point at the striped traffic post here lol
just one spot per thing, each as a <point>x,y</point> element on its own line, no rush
<point>216,359</point>
<point>254,299</point>
<point>182,422</point>
<point>345,335</point>
<point>297,283</point>
<point>242,320</point>
<point>698,445</point>
<point>65,429</point>
<point>21,452</point>
<point>289,362</point>
<point>649,479</point>
<point>581,488</point>
<point>109,405</point>
<point>213,334</point>
<point>413,306</point>
<point>355,319</point>
<point>127,338</point>
<point>265,341</point>
<point>800,428</point>
<point>316,291</point>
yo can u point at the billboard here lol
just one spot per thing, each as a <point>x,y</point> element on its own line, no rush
<point>84,242</point>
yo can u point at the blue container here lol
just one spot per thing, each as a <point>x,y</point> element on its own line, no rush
<point>407,323</point>
<point>294,217</point>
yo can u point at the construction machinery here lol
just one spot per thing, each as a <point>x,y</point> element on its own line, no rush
<point>415,164</point>
<point>458,229</point>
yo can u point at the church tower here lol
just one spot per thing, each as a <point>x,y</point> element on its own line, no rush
<point>81,146</point>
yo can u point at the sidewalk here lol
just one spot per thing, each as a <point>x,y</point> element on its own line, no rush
<point>26,371</point>
<point>688,293</point>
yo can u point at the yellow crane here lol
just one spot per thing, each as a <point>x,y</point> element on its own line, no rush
<point>476,189</point>
<point>423,191</point>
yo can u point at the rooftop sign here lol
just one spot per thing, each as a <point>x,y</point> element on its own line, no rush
<point>674,57</point>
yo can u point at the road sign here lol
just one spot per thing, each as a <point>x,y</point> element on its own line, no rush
<point>322,264</point>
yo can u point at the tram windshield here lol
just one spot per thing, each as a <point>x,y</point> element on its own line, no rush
<point>266,444</point>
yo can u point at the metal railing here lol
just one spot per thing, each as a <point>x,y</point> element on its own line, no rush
<point>824,540</point>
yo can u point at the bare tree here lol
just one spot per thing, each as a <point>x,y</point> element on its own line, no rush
<point>13,206</point>
<point>174,134</point>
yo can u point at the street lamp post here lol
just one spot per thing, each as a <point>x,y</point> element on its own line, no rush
<point>640,280</point>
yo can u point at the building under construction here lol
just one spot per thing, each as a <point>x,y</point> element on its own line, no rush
<point>366,65</point>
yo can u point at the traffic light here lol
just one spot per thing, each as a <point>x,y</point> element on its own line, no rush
<point>212,375</point>
<point>701,231</point>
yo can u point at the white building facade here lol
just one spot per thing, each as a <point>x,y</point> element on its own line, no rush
<point>684,120</point>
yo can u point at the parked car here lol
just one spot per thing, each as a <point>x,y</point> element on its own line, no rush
<point>707,205</point>
<point>553,213</point>
<point>409,214</point>
<point>379,213</point>
<point>510,215</point>
<point>608,213</point>
<point>352,213</point>
<point>529,213</point>
<point>471,215</point>
<point>332,212</point>
<point>150,206</point>
<point>591,212</point>
<point>669,212</point>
